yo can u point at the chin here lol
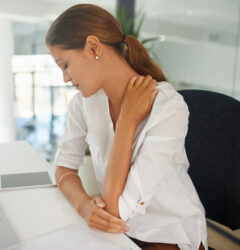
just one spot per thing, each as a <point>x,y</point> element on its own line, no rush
<point>89,94</point>
<point>84,94</point>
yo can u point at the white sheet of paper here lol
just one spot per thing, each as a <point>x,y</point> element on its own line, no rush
<point>70,237</point>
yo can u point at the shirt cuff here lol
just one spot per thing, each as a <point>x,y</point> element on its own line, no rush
<point>128,208</point>
<point>66,165</point>
<point>68,161</point>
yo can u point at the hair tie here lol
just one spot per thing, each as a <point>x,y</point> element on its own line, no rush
<point>124,37</point>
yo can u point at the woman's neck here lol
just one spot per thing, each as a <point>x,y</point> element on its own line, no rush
<point>117,80</point>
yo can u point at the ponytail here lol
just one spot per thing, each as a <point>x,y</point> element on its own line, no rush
<point>138,57</point>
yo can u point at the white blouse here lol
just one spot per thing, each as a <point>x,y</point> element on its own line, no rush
<point>159,201</point>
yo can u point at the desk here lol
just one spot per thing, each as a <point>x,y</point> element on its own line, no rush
<point>37,211</point>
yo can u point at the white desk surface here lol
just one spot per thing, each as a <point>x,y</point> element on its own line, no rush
<point>37,211</point>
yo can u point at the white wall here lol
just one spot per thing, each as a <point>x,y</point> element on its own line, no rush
<point>7,122</point>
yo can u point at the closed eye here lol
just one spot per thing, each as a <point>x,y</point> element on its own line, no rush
<point>65,66</point>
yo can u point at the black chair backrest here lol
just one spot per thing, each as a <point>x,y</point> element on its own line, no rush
<point>213,149</point>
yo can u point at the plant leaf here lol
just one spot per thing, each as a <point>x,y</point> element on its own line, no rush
<point>149,39</point>
<point>139,25</point>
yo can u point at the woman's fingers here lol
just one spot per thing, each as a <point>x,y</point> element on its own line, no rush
<point>103,220</point>
<point>109,218</point>
<point>142,81</point>
<point>97,217</point>
<point>138,81</point>
<point>107,226</point>
<point>146,81</point>
<point>99,202</point>
<point>132,82</point>
<point>152,84</point>
<point>118,226</point>
<point>105,229</point>
<point>152,92</point>
<point>153,96</point>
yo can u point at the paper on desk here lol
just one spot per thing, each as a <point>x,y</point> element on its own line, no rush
<point>70,237</point>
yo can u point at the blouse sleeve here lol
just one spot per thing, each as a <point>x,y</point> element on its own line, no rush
<point>72,147</point>
<point>155,159</point>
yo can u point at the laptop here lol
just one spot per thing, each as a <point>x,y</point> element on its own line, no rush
<point>8,236</point>
<point>23,167</point>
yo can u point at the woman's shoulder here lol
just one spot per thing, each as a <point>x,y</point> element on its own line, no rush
<point>167,103</point>
<point>168,96</point>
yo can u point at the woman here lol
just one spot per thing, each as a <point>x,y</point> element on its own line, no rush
<point>135,124</point>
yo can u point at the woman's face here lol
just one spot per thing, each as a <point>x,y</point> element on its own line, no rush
<point>80,67</point>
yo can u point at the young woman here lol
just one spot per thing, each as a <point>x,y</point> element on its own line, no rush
<point>135,124</point>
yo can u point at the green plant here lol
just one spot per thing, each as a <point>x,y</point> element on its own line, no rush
<point>127,23</point>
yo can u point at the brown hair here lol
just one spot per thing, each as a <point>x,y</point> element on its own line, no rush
<point>75,24</point>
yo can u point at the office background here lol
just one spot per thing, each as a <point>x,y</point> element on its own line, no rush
<point>197,47</point>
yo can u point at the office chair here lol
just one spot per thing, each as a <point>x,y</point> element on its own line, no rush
<point>213,149</point>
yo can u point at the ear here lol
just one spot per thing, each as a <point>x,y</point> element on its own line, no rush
<point>93,46</point>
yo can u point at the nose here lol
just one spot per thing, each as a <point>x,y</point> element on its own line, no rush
<point>66,77</point>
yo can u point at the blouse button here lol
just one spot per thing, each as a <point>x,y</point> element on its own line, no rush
<point>142,202</point>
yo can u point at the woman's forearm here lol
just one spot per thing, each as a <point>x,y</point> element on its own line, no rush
<point>118,166</point>
<point>72,188</point>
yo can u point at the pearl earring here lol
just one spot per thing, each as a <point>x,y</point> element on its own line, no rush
<point>97,57</point>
